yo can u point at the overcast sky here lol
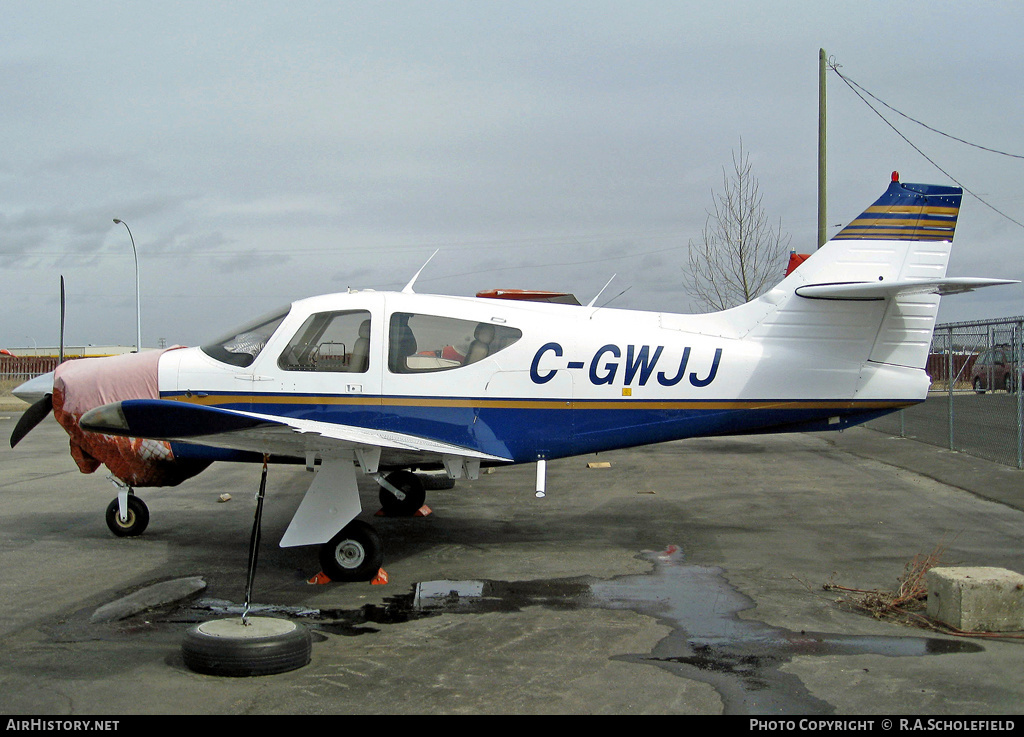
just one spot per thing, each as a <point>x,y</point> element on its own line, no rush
<point>265,151</point>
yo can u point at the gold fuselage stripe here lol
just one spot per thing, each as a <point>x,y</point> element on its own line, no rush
<point>580,404</point>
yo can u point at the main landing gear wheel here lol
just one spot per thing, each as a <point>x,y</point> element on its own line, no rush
<point>412,491</point>
<point>252,646</point>
<point>135,524</point>
<point>354,554</point>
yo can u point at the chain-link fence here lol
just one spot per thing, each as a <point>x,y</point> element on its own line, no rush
<point>975,403</point>
<point>15,370</point>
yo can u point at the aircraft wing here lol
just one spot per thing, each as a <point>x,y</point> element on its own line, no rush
<point>883,289</point>
<point>161,419</point>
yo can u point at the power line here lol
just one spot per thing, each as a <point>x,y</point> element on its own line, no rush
<point>920,123</point>
<point>857,89</point>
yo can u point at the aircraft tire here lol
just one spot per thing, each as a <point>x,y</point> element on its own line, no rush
<point>436,481</point>
<point>354,554</point>
<point>415,495</point>
<point>259,647</point>
<point>137,522</point>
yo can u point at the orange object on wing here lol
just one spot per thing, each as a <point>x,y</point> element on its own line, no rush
<point>530,295</point>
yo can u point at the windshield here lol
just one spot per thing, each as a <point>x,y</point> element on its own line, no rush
<point>241,346</point>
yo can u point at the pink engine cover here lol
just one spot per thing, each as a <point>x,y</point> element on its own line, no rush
<point>84,384</point>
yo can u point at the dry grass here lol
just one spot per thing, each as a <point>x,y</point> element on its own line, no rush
<point>905,602</point>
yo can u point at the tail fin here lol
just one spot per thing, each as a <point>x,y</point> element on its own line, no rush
<point>872,292</point>
<point>908,212</point>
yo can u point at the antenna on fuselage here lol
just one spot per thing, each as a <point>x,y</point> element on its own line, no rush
<point>591,303</point>
<point>408,287</point>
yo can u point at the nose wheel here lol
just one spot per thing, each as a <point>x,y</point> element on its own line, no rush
<point>129,519</point>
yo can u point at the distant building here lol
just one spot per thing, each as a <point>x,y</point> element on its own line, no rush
<point>74,351</point>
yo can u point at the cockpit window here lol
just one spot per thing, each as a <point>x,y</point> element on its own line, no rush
<point>330,341</point>
<point>241,346</point>
<point>424,343</point>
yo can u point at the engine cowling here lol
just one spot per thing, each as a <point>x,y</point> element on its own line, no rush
<point>84,384</point>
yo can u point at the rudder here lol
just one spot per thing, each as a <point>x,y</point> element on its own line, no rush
<point>904,237</point>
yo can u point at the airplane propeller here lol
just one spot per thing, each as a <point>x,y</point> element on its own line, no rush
<point>42,407</point>
<point>32,417</point>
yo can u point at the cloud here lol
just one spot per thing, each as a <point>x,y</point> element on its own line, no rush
<point>266,151</point>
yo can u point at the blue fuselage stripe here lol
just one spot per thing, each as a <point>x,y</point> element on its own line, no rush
<point>525,430</point>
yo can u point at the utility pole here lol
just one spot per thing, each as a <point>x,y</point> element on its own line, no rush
<point>822,216</point>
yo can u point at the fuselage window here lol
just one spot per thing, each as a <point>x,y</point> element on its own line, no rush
<point>330,341</point>
<point>422,343</point>
<point>240,347</point>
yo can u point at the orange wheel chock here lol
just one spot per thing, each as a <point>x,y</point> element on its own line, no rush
<point>423,511</point>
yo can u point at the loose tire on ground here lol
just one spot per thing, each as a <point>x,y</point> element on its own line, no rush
<point>138,518</point>
<point>260,647</point>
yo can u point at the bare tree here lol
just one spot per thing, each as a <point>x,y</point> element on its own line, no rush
<point>740,254</point>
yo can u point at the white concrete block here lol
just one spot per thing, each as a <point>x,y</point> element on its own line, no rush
<point>976,599</point>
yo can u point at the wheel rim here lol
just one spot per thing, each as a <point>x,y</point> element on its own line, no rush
<point>350,554</point>
<point>252,628</point>
<point>125,524</point>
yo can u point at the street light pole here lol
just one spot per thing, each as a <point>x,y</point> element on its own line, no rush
<point>138,301</point>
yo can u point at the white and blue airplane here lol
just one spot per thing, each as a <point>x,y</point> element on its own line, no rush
<point>389,383</point>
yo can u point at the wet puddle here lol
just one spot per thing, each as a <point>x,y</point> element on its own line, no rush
<point>742,659</point>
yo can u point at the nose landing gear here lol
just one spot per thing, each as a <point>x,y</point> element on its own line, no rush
<point>127,515</point>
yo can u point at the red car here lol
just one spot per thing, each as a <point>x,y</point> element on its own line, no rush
<point>994,369</point>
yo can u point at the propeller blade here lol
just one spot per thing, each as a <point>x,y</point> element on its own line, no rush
<point>32,417</point>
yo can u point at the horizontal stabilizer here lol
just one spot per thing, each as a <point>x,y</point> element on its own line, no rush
<point>884,290</point>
